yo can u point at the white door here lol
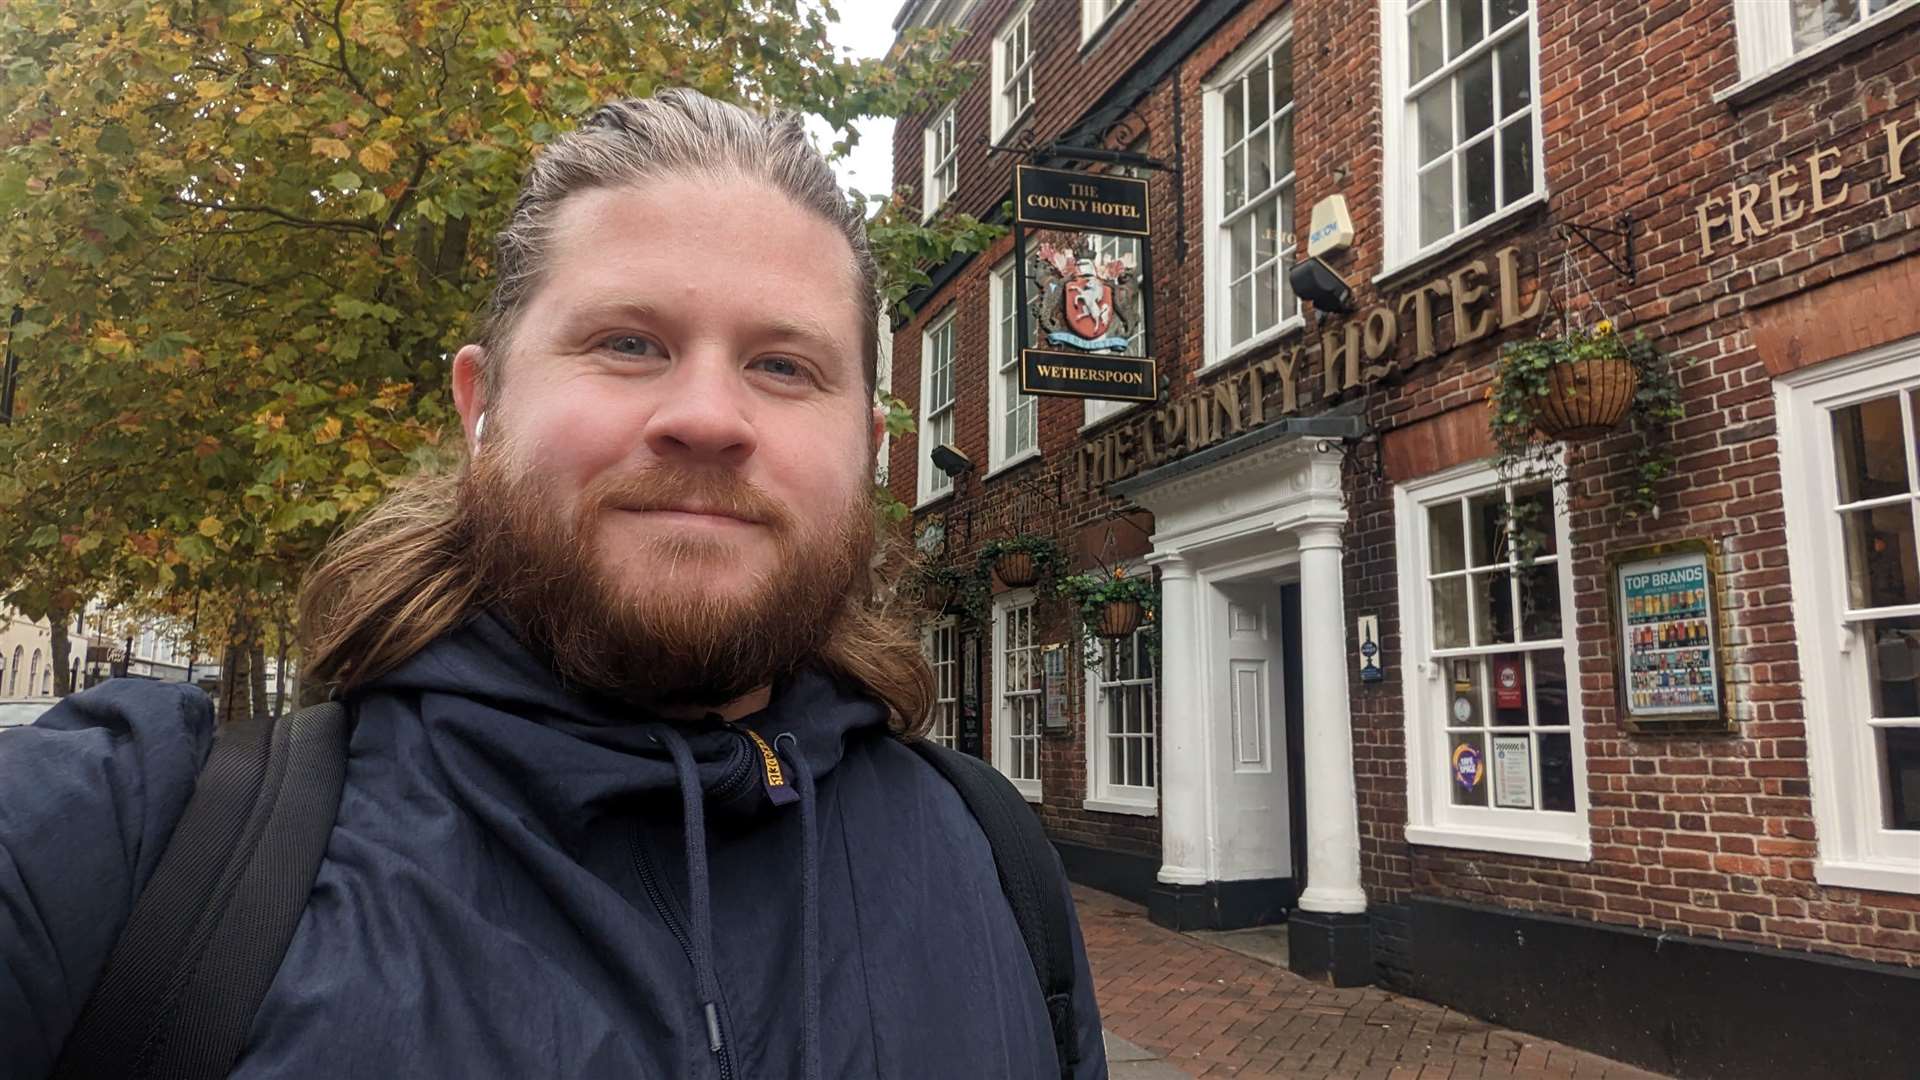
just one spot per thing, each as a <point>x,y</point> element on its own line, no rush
<point>1249,673</point>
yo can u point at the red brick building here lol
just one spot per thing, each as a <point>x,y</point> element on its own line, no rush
<point>1509,819</point>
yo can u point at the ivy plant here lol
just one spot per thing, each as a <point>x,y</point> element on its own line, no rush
<point>1090,593</point>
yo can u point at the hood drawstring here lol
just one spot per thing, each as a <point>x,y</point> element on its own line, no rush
<point>693,808</point>
<point>789,749</point>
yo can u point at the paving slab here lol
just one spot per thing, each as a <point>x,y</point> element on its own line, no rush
<point>1208,1010</point>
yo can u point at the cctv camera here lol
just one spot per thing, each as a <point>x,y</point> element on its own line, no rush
<point>948,459</point>
<point>1316,283</point>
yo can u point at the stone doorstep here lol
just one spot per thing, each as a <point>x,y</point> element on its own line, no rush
<point>1267,944</point>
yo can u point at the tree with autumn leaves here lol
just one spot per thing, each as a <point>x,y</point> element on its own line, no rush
<point>243,239</point>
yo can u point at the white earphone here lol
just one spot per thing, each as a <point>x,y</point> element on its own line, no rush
<point>479,429</point>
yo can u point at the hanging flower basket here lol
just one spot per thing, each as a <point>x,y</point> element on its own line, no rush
<point>1587,397</point>
<point>1019,561</point>
<point>1120,618</point>
<point>1017,569</point>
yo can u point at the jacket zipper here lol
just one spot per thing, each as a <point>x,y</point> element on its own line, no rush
<point>736,778</point>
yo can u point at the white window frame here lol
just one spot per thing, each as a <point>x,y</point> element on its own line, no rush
<point>939,172</point>
<point>1217,311</point>
<point>1432,818</point>
<point>1095,14</point>
<point>1102,793</point>
<point>1005,116</point>
<point>1400,192</point>
<point>1004,738</point>
<point>1764,29</point>
<point>1010,412</point>
<point>1855,849</point>
<point>944,727</point>
<point>934,484</point>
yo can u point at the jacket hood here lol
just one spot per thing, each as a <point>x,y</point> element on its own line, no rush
<point>481,690</point>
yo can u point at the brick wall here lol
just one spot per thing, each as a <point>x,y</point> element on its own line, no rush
<point>1699,835</point>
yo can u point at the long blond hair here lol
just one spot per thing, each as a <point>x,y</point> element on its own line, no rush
<point>398,578</point>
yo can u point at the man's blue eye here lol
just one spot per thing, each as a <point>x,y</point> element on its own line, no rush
<point>782,366</point>
<point>629,343</point>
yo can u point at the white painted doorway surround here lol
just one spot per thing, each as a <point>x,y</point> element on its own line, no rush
<point>1227,534</point>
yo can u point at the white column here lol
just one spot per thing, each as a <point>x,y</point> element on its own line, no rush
<point>1183,743</point>
<point>1333,814</point>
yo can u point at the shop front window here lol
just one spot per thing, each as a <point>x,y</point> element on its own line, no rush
<point>1852,431</point>
<point>1493,715</point>
<point>1123,750</point>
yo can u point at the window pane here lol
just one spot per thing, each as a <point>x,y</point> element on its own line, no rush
<point>1234,177</point>
<point>1556,772</point>
<point>1256,82</point>
<point>1516,160</point>
<point>1534,505</point>
<point>1509,683</point>
<point>1486,518</point>
<point>1551,695</point>
<point>1466,765</point>
<point>1423,37</point>
<point>1283,76</point>
<point>1260,161</point>
<point>1516,84</point>
<point>1450,613</point>
<point>1464,26</point>
<point>1235,126</point>
<point>1241,238</point>
<point>1900,762</point>
<point>1869,450</point>
<point>1816,20</point>
<point>1492,608</point>
<point>1435,113</point>
<point>1265,231</point>
<point>1881,570</point>
<point>1266,299</point>
<point>1479,180</point>
<point>1893,667</point>
<point>1283,145</point>
<point>1436,202</point>
<point>1540,602</point>
<point>1242,303</point>
<point>1476,97</point>
<point>1505,11</point>
<point>1446,543</point>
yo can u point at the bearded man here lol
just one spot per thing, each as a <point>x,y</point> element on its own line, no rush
<point>626,792</point>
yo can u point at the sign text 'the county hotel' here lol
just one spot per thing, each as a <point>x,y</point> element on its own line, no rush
<point>1806,186</point>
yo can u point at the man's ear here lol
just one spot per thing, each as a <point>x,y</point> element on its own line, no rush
<point>468,399</point>
<point>879,429</point>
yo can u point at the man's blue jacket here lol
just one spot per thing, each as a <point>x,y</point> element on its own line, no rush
<point>514,888</point>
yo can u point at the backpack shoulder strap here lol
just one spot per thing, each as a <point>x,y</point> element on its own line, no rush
<point>211,926</point>
<point>1029,876</point>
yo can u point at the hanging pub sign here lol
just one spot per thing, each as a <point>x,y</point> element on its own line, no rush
<point>1082,301</point>
<point>1666,621</point>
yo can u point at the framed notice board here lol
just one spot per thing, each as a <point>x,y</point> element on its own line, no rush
<point>1669,641</point>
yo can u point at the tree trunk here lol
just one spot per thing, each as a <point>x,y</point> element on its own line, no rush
<point>257,677</point>
<point>60,619</point>
<point>280,677</point>
<point>237,676</point>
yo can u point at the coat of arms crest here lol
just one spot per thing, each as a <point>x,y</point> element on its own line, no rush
<point>1083,301</point>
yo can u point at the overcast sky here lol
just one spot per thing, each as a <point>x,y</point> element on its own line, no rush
<point>865,28</point>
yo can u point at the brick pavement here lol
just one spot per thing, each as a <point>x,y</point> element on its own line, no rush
<point>1215,1013</point>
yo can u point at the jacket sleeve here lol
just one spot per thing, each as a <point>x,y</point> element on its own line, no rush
<point>1086,1011</point>
<point>89,795</point>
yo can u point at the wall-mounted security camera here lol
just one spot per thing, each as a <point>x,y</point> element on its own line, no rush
<point>1316,283</point>
<point>948,459</point>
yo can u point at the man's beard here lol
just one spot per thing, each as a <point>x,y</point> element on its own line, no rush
<point>674,642</point>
